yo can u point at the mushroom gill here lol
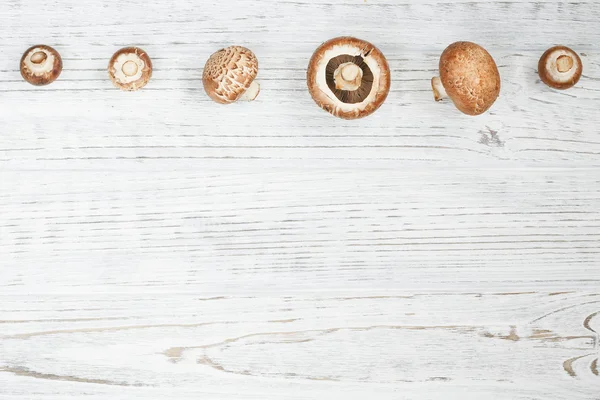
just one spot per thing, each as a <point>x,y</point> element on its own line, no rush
<point>349,96</point>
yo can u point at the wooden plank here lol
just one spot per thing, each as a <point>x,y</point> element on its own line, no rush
<point>289,230</point>
<point>172,124</point>
<point>416,345</point>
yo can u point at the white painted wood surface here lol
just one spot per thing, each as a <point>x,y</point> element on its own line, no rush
<point>157,245</point>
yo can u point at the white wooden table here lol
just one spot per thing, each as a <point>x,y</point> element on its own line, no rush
<point>156,245</point>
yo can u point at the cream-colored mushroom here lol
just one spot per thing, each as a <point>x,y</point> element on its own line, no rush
<point>230,75</point>
<point>560,67</point>
<point>130,68</point>
<point>348,77</point>
<point>41,65</point>
<point>468,76</point>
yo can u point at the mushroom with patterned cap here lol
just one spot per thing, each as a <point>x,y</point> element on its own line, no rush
<point>469,77</point>
<point>348,77</point>
<point>230,75</point>
<point>41,65</point>
<point>560,67</point>
<point>130,68</point>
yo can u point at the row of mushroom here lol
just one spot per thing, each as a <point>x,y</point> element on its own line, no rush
<point>348,77</point>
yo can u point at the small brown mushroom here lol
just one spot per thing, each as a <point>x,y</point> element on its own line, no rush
<point>560,67</point>
<point>130,68</point>
<point>41,65</point>
<point>348,77</point>
<point>229,75</point>
<point>469,77</point>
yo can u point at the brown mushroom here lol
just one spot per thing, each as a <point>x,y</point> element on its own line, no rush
<point>469,77</point>
<point>41,65</point>
<point>348,77</point>
<point>130,68</point>
<point>560,67</point>
<point>229,75</point>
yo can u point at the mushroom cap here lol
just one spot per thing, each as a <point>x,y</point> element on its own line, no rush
<point>142,68</point>
<point>44,72</point>
<point>470,77</point>
<point>375,76</point>
<point>228,73</point>
<point>549,72</point>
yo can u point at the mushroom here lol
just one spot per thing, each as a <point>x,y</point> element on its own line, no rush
<point>469,77</point>
<point>348,77</point>
<point>130,68</point>
<point>560,67</point>
<point>41,65</point>
<point>229,75</point>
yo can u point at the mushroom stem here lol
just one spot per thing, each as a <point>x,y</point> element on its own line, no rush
<point>350,72</point>
<point>130,68</point>
<point>38,57</point>
<point>439,93</point>
<point>251,93</point>
<point>348,76</point>
<point>564,63</point>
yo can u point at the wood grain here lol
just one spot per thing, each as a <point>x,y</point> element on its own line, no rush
<point>285,231</point>
<point>418,345</point>
<point>157,245</point>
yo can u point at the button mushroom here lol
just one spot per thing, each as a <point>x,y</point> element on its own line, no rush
<point>130,68</point>
<point>469,77</point>
<point>560,67</point>
<point>41,65</point>
<point>348,77</point>
<point>229,75</point>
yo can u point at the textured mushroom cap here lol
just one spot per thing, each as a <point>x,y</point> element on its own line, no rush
<point>549,73</point>
<point>42,73</point>
<point>143,72</point>
<point>470,77</point>
<point>228,73</point>
<point>323,94</point>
